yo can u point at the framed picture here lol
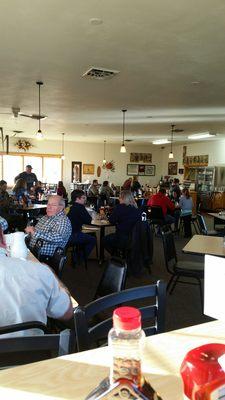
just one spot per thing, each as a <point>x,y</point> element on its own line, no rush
<point>88,169</point>
<point>76,171</point>
<point>181,171</point>
<point>141,157</point>
<point>150,170</point>
<point>141,169</point>
<point>132,169</point>
<point>172,168</point>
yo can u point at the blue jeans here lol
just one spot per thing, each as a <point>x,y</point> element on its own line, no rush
<point>83,238</point>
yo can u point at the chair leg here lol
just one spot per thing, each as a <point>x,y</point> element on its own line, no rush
<point>170,282</point>
<point>174,284</point>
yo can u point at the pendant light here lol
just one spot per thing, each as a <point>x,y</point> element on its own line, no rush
<point>171,142</point>
<point>39,134</point>
<point>104,159</point>
<point>123,148</point>
<point>63,156</point>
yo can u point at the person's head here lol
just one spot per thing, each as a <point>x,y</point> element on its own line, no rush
<point>127,198</point>
<point>20,184</point>
<point>60,184</point>
<point>78,196</point>
<point>95,182</point>
<point>3,185</point>
<point>55,205</point>
<point>105,183</point>
<point>29,169</point>
<point>38,184</point>
<point>186,193</point>
<point>176,181</point>
<point>135,178</point>
<point>162,190</point>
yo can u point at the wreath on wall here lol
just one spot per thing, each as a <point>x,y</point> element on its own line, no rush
<point>109,165</point>
<point>23,144</point>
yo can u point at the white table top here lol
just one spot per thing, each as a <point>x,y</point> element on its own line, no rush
<point>74,376</point>
<point>201,244</point>
<point>217,215</point>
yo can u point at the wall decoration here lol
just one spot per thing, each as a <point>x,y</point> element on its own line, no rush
<point>196,160</point>
<point>149,170</point>
<point>141,169</point>
<point>181,171</point>
<point>172,168</point>
<point>23,144</point>
<point>99,170</point>
<point>141,157</point>
<point>184,152</point>
<point>109,165</point>
<point>88,169</point>
<point>132,169</point>
<point>76,171</point>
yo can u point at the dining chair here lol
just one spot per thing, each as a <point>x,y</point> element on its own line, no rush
<point>113,278</point>
<point>180,269</point>
<point>19,350</point>
<point>203,227</point>
<point>150,299</point>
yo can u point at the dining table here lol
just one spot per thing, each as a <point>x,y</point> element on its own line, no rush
<point>102,224</point>
<point>28,210</point>
<point>202,244</point>
<point>74,376</point>
<point>219,218</point>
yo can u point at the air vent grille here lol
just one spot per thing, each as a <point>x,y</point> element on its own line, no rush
<point>100,73</point>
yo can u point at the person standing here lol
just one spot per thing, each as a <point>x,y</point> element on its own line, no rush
<point>186,205</point>
<point>28,176</point>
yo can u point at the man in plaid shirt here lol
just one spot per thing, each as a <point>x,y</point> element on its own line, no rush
<point>54,228</point>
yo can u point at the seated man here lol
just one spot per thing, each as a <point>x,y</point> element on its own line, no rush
<point>54,228</point>
<point>124,217</point>
<point>30,292</point>
<point>14,221</point>
<point>161,200</point>
<point>79,216</point>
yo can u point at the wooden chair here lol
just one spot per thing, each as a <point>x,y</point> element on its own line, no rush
<point>153,316</point>
<point>180,269</point>
<point>21,350</point>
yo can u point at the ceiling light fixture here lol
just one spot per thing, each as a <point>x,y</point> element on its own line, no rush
<point>171,141</point>
<point>203,135</point>
<point>39,134</point>
<point>104,159</point>
<point>123,148</point>
<point>161,141</point>
<point>63,155</point>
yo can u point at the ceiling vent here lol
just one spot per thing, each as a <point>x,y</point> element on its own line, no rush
<point>100,73</point>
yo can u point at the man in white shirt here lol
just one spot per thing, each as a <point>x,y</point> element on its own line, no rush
<point>31,292</point>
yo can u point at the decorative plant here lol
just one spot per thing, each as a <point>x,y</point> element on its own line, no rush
<point>110,165</point>
<point>23,144</point>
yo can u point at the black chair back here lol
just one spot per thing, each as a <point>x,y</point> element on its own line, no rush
<point>169,250</point>
<point>202,224</point>
<point>88,335</point>
<point>140,251</point>
<point>21,350</point>
<point>113,278</point>
<point>57,261</point>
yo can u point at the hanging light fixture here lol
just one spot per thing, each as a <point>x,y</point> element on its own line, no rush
<point>39,134</point>
<point>123,148</point>
<point>171,141</point>
<point>63,156</point>
<point>104,159</point>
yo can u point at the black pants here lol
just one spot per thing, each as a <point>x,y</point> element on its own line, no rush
<point>187,225</point>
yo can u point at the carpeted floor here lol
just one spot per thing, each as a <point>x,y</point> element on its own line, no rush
<point>183,306</point>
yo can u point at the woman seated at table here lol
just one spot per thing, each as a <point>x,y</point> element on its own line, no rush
<point>124,217</point>
<point>20,192</point>
<point>186,205</point>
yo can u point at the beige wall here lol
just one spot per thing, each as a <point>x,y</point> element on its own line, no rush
<point>92,153</point>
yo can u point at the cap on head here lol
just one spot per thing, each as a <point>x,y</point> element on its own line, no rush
<point>29,166</point>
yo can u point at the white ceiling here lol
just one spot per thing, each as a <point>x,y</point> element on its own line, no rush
<point>161,48</point>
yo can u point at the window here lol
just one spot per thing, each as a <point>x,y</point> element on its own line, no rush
<point>47,169</point>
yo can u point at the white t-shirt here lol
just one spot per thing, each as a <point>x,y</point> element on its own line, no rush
<point>29,291</point>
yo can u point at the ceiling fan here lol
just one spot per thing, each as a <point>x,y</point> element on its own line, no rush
<point>16,112</point>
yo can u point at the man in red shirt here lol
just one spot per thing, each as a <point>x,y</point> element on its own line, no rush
<point>161,200</point>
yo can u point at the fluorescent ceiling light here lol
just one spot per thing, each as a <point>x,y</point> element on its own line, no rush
<point>202,135</point>
<point>160,141</point>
